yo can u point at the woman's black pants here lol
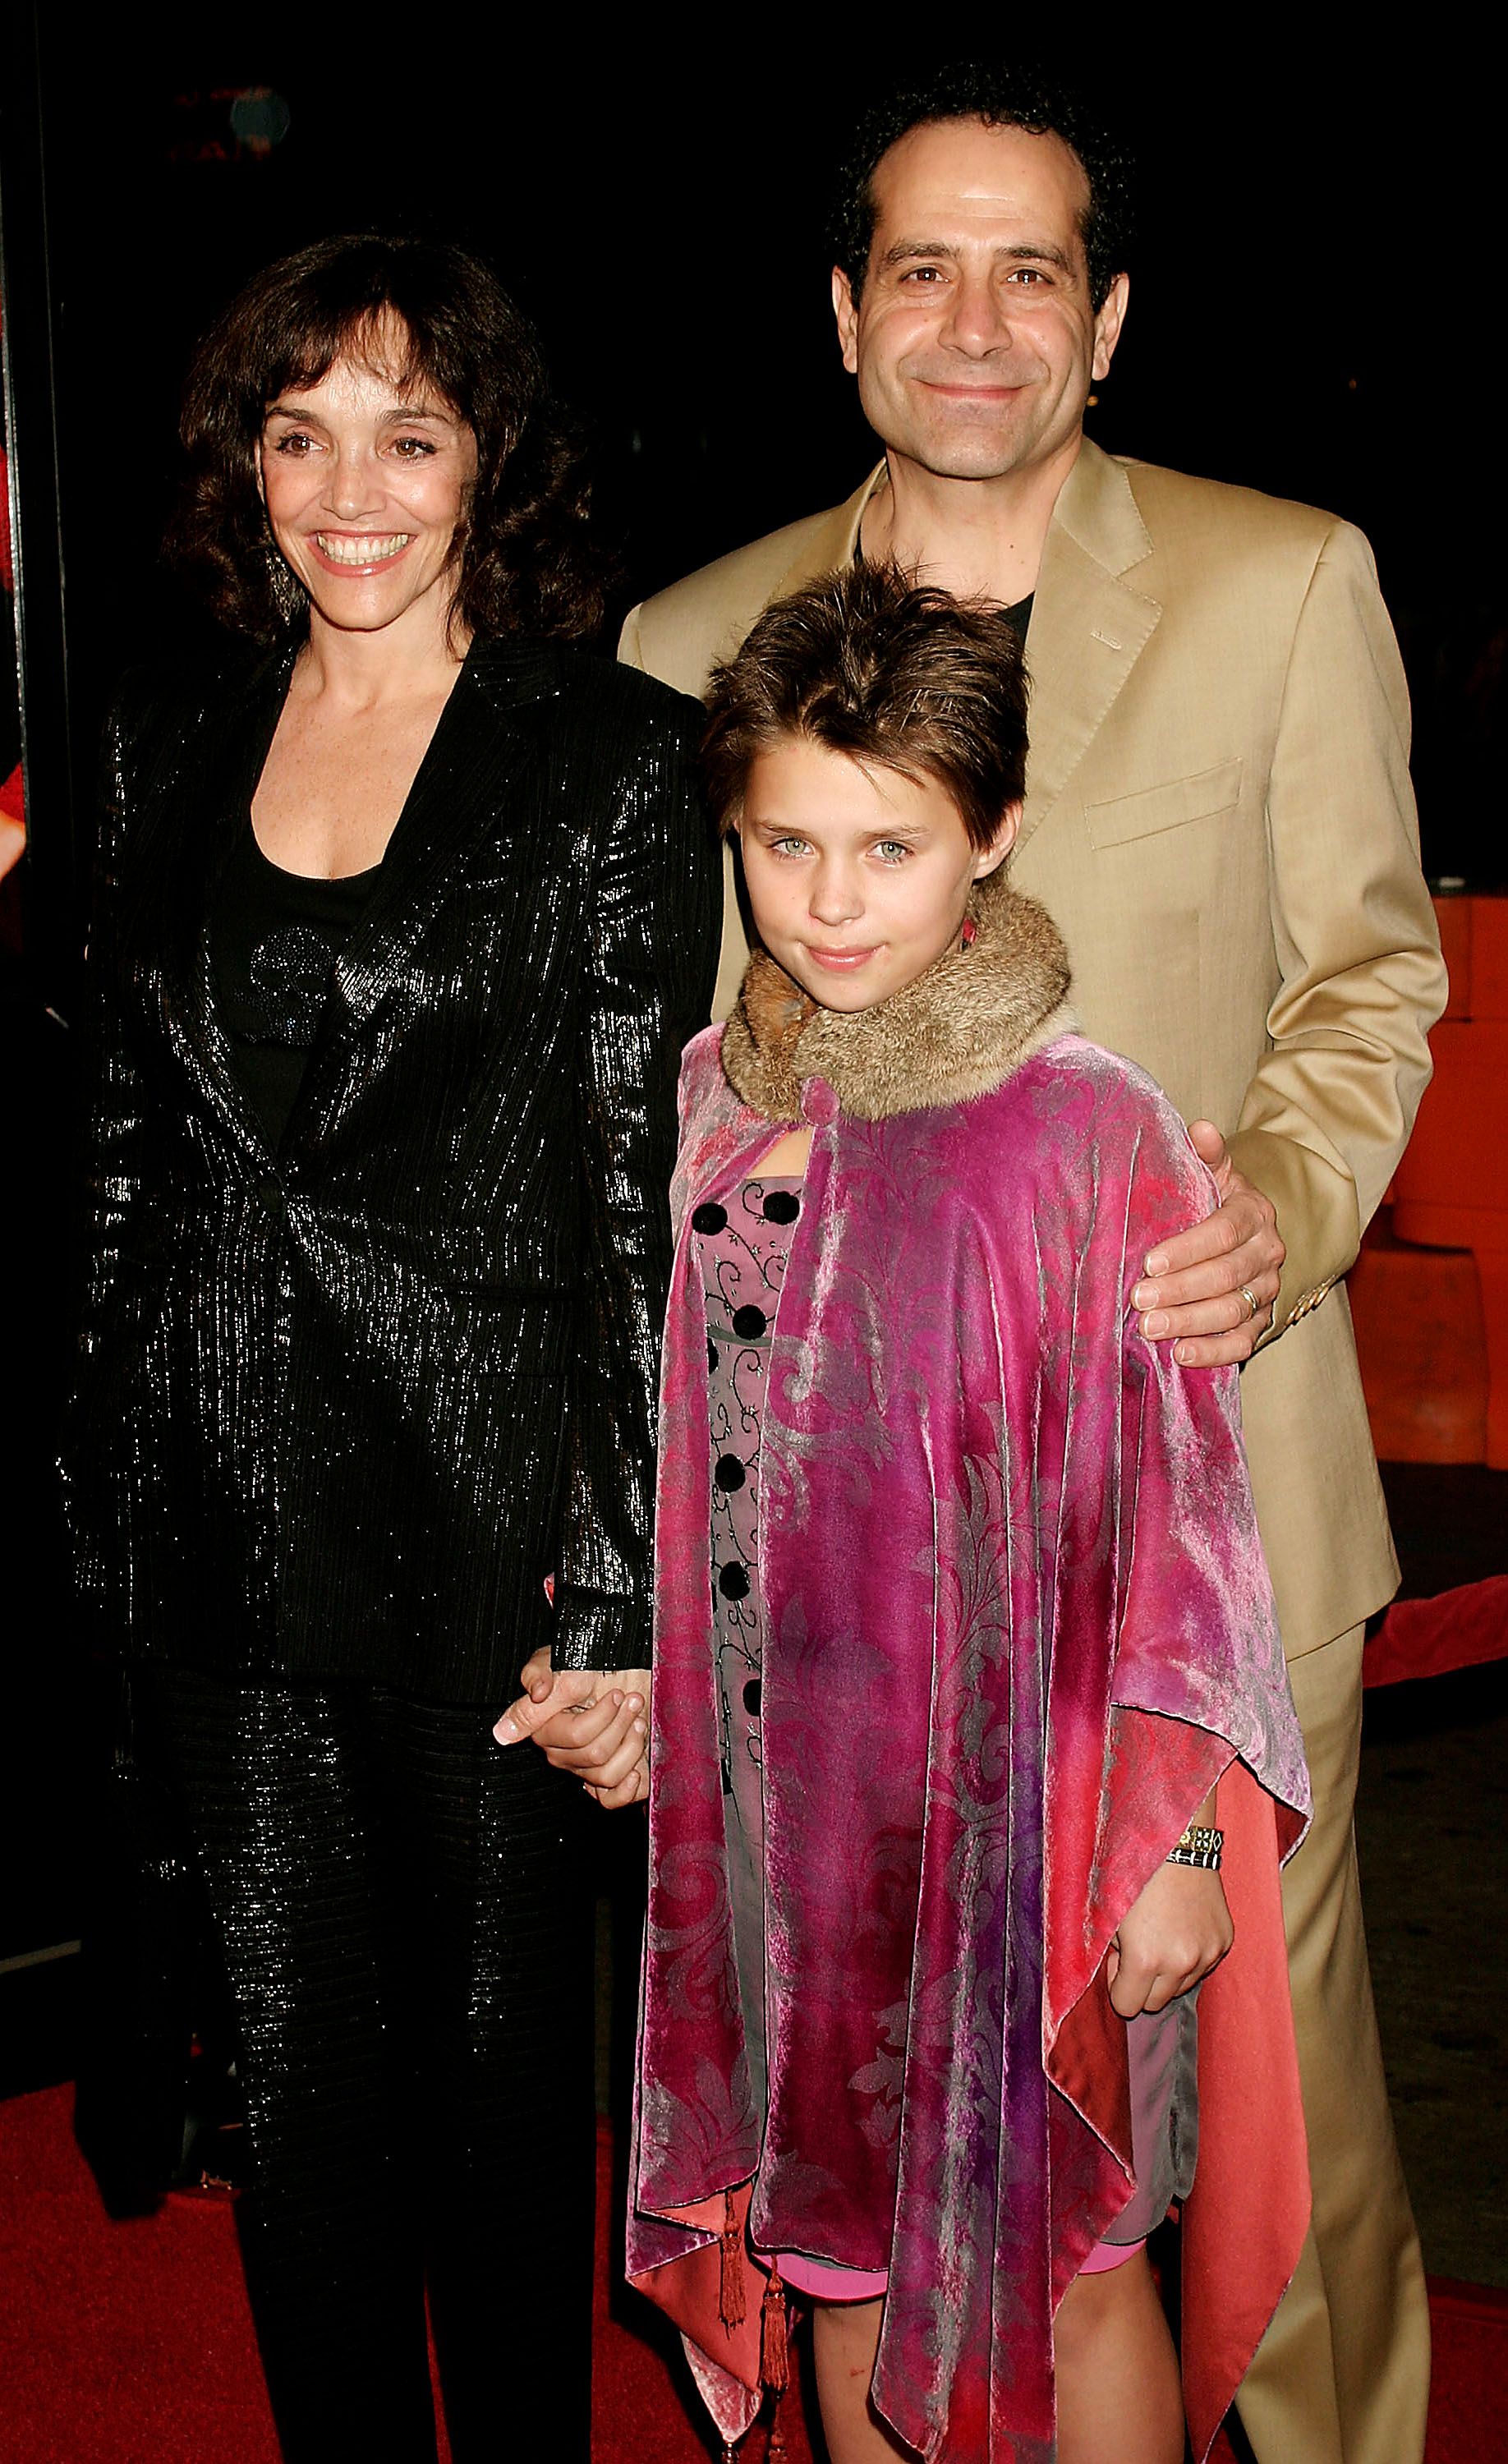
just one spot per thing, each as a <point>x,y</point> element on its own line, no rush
<point>407,1937</point>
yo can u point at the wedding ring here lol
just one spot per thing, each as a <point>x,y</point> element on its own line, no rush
<point>1251,1300</point>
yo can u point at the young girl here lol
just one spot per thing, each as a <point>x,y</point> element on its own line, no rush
<point>941,1705</point>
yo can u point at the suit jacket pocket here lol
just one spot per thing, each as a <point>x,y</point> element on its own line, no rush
<point>1165,808</point>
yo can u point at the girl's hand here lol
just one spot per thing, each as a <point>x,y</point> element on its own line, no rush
<point>1172,1935</point>
<point>593,1722</point>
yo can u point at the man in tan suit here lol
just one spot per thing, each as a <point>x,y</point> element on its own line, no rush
<point>1219,815</point>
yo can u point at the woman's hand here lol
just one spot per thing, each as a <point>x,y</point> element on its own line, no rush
<point>591,1722</point>
<point>1172,1935</point>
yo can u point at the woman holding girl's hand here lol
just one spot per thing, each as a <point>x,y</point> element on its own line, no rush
<point>591,1722</point>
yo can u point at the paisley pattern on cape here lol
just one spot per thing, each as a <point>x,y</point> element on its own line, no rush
<point>1017,1624</point>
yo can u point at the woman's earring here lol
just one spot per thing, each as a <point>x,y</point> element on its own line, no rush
<point>288,596</point>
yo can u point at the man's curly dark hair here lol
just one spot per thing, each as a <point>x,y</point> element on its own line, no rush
<point>1003,97</point>
<point>529,563</point>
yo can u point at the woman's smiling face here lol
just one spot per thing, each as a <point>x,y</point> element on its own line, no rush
<point>859,878</point>
<point>365,485</point>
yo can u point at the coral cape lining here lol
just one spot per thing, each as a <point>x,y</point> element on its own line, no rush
<point>1017,1624</point>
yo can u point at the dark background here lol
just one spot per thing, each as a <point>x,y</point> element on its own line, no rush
<point>1314,304</point>
<point>1313,309</point>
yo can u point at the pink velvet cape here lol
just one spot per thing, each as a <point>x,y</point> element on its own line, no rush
<point>1016,1625</point>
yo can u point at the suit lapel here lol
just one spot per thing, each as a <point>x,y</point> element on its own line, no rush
<point>463,785</point>
<point>1088,626</point>
<point>193,810</point>
<point>833,540</point>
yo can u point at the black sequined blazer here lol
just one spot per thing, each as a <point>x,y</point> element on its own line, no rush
<point>342,1407</point>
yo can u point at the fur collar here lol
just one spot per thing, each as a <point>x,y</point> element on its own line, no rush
<point>958,1031</point>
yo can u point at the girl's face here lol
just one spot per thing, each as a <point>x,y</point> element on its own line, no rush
<point>366,489</point>
<point>857,878</point>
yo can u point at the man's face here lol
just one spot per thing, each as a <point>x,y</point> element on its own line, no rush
<point>975,339</point>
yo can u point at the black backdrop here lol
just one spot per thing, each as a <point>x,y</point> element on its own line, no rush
<point>1313,298</point>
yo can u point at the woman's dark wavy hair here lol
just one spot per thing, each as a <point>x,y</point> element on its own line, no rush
<point>898,677</point>
<point>529,563</point>
<point>1003,97</point>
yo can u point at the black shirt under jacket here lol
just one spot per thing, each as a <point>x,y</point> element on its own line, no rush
<point>344,1407</point>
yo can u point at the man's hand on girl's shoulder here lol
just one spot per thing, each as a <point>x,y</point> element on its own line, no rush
<point>1209,1291</point>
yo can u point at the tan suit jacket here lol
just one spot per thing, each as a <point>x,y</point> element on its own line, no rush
<point>1219,815</point>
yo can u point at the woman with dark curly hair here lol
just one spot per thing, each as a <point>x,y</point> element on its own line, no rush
<point>401,927</point>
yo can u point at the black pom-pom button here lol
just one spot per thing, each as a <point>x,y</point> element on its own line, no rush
<point>749,1324</point>
<point>751,1697</point>
<point>711,1357</point>
<point>729,1472</point>
<point>709,1218</point>
<point>733,1583</point>
<point>781,1206</point>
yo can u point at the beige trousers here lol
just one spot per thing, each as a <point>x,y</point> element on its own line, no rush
<point>1342,2374</point>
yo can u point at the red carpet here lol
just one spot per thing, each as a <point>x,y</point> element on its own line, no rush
<point>130,2343</point>
<point>1457,1629</point>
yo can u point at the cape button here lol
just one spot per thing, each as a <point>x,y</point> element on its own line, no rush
<point>818,1103</point>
